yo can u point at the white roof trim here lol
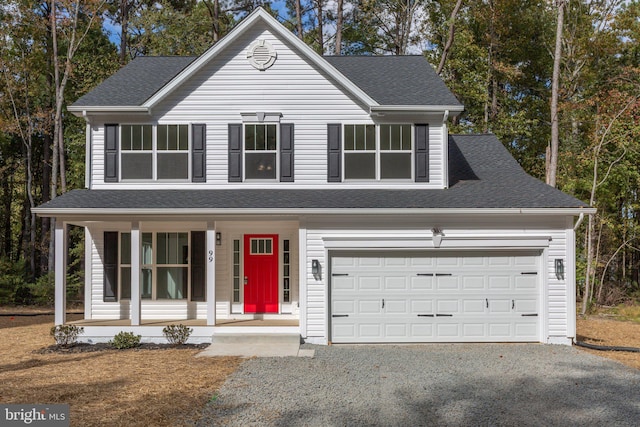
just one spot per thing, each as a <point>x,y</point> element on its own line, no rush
<point>83,110</point>
<point>75,212</point>
<point>417,108</point>
<point>256,15</point>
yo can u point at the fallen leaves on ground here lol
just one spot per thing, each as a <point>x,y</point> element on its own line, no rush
<point>111,387</point>
<point>611,332</point>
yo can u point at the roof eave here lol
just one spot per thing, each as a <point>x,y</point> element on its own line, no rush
<point>257,14</point>
<point>453,108</point>
<point>83,111</point>
<point>54,212</point>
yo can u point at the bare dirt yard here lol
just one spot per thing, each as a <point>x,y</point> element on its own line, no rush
<point>109,387</point>
<point>606,331</point>
<point>162,387</point>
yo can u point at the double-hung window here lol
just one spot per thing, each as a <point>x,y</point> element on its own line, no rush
<point>173,152</point>
<point>164,263</point>
<point>360,152</point>
<point>380,152</point>
<point>154,152</point>
<point>136,147</point>
<point>261,148</point>
<point>395,151</point>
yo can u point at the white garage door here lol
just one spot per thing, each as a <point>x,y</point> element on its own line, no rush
<point>444,297</point>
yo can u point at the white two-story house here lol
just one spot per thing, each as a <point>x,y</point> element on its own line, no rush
<point>264,184</point>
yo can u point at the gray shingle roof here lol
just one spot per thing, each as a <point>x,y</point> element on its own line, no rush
<point>483,175</point>
<point>135,82</point>
<point>389,80</point>
<point>395,80</point>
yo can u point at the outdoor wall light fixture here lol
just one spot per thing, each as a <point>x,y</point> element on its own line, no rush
<point>218,238</point>
<point>559,263</point>
<point>437,236</point>
<point>315,269</point>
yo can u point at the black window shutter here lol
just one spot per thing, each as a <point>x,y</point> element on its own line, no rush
<point>111,153</point>
<point>198,266</point>
<point>422,153</point>
<point>286,152</point>
<point>235,152</point>
<point>110,280</point>
<point>199,153</point>
<point>334,152</point>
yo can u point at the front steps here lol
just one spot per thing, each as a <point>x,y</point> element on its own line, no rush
<point>256,345</point>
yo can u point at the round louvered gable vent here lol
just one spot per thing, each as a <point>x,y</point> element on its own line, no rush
<point>261,55</point>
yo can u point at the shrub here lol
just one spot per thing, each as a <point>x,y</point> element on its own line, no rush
<point>177,334</point>
<point>44,290</point>
<point>124,340</point>
<point>66,335</point>
<point>13,288</point>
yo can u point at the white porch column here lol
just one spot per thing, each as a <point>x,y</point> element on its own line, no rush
<point>135,274</point>
<point>88,269</point>
<point>60,269</point>
<point>302,278</point>
<point>211,273</point>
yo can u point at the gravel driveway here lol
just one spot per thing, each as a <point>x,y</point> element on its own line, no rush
<point>479,384</point>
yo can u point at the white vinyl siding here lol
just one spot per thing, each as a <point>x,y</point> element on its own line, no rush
<point>555,294</point>
<point>228,86</point>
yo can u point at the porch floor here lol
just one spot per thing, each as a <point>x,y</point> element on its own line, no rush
<point>187,322</point>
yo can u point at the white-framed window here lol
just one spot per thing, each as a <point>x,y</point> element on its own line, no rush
<point>395,151</point>
<point>236,270</point>
<point>359,152</point>
<point>378,152</point>
<point>154,152</point>
<point>164,264</point>
<point>260,151</point>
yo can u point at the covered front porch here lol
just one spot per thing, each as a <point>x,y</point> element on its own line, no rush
<point>217,277</point>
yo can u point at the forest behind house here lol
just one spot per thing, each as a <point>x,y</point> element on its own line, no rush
<point>557,81</point>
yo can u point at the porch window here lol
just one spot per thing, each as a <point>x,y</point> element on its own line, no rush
<point>260,144</point>
<point>154,152</point>
<point>164,264</point>
<point>125,266</point>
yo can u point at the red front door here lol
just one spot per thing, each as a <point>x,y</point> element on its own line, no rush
<point>261,273</point>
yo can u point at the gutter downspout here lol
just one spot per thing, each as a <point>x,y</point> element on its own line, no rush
<point>88,141</point>
<point>579,221</point>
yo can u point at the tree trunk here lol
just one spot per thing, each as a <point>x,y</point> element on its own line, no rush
<point>299,19</point>
<point>452,32</point>
<point>125,6</point>
<point>320,27</point>
<point>338,48</point>
<point>555,82</point>
<point>587,276</point>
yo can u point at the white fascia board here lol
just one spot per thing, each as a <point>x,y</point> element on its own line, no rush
<point>416,108</point>
<point>75,212</point>
<point>277,27</point>
<point>84,111</point>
